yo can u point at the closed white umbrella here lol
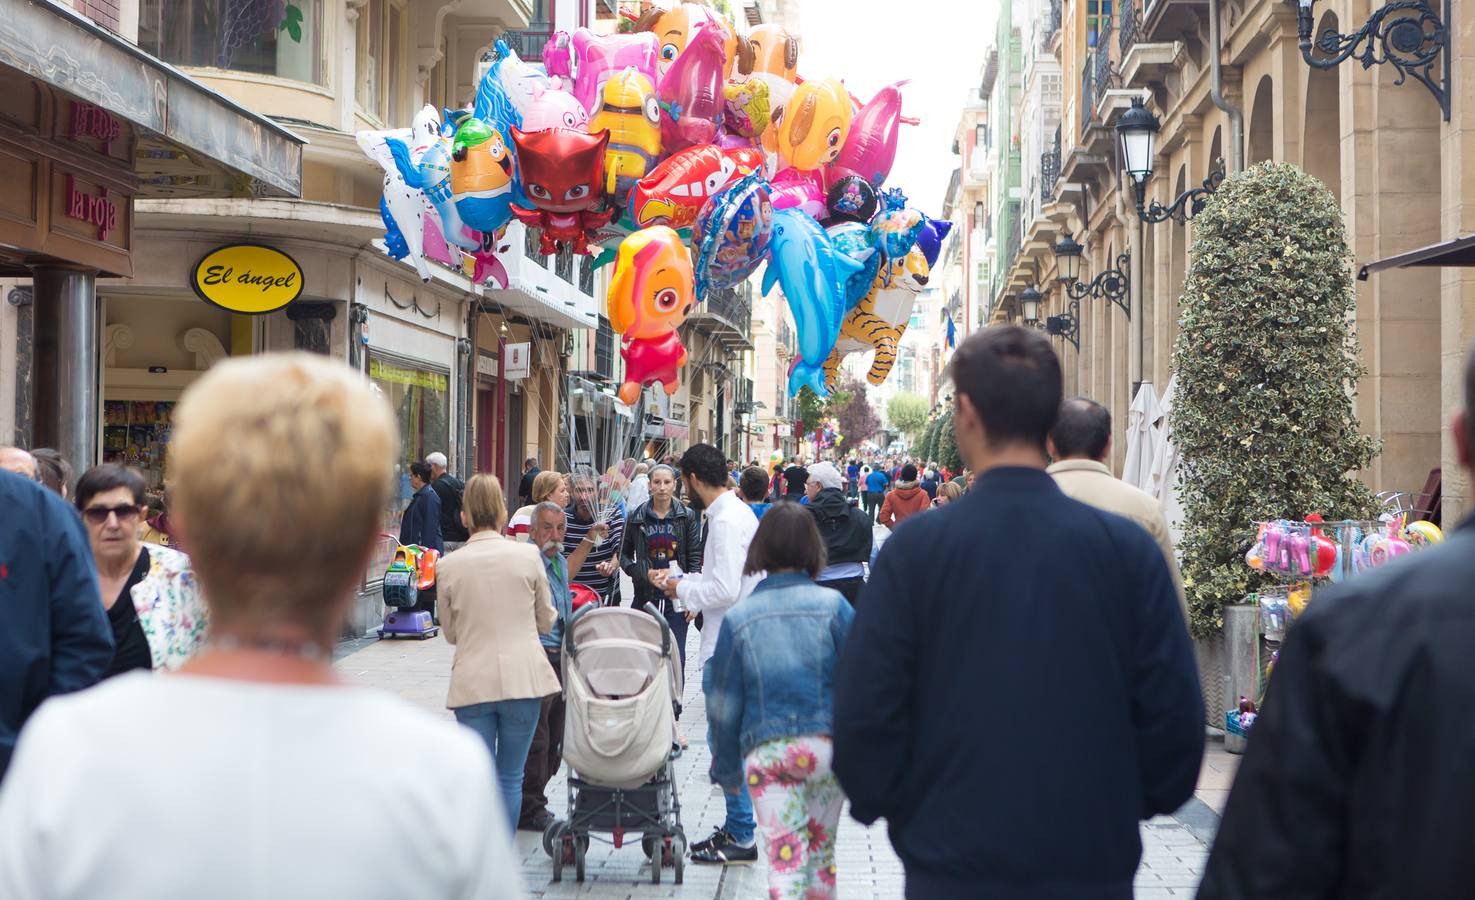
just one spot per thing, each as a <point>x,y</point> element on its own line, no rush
<point>1163,483</point>
<point>1142,421</point>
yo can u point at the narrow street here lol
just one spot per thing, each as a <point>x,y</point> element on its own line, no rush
<point>1173,854</point>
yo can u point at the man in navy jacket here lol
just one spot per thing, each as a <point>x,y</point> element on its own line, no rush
<point>1015,707</point>
<point>56,636</point>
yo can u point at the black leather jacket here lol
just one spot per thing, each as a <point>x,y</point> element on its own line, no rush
<point>635,548</point>
<point>1357,781</point>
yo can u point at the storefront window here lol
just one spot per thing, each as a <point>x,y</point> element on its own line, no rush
<point>267,37</point>
<point>421,400</point>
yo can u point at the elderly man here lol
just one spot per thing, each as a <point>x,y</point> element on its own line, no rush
<point>846,531</point>
<point>600,571</point>
<point>448,489</point>
<point>1079,444</point>
<point>547,532</point>
<point>14,459</point>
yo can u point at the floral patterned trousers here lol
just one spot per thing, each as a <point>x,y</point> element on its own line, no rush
<point>797,800</point>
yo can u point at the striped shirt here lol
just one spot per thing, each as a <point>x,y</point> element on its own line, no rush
<point>609,548</point>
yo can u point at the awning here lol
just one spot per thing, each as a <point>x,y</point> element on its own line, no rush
<point>193,141</point>
<point>538,303</point>
<point>1458,252</point>
<point>675,430</point>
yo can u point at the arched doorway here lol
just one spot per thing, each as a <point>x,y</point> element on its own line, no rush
<point>1262,123</point>
<point>1321,142</point>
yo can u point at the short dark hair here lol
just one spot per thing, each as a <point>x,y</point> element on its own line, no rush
<point>753,484</point>
<point>908,472</point>
<point>103,478</point>
<point>1083,428</point>
<point>706,464</point>
<point>530,461</point>
<point>55,472</point>
<point>787,538</point>
<point>420,470</point>
<point>1011,375</point>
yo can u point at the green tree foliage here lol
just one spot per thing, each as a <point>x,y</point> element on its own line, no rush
<point>927,441</point>
<point>1267,369</point>
<point>907,413</point>
<point>946,451</point>
<point>812,410</point>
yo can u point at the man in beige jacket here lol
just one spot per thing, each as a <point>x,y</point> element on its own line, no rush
<point>1079,444</point>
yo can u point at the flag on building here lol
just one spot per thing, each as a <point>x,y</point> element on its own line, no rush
<point>952,335</point>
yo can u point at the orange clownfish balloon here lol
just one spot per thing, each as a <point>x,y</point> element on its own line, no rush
<point>811,130</point>
<point>650,296</point>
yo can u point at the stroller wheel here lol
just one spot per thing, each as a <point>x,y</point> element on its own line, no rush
<point>678,850</point>
<point>580,847</point>
<point>551,836</point>
<point>648,845</point>
<point>558,860</point>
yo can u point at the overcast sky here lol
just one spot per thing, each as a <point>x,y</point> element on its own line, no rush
<point>938,44</point>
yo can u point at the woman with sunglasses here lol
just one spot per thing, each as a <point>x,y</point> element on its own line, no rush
<point>153,602</point>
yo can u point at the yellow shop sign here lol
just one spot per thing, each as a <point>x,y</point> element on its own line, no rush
<point>247,278</point>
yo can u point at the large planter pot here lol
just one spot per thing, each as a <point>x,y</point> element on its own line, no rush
<point>1229,667</point>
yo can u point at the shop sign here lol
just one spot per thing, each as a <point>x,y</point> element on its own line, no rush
<point>755,429</point>
<point>100,211</point>
<point>90,121</point>
<point>247,278</point>
<point>783,429</point>
<point>392,374</point>
<point>519,361</point>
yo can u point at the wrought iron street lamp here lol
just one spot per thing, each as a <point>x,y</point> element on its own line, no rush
<point>1137,129</point>
<point>1029,306</point>
<point>1407,34</point>
<point>1113,284</point>
<point>1068,324</point>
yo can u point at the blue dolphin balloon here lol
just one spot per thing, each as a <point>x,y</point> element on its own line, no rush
<point>813,275</point>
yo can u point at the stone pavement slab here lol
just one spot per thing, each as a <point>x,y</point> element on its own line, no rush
<point>868,869</point>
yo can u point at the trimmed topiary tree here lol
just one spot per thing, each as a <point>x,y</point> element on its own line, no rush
<point>1267,369</point>
<point>946,451</point>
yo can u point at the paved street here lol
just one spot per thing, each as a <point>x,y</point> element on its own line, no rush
<point>1174,849</point>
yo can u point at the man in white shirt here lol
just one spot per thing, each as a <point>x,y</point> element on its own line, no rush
<point>251,772</point>
<point>711,592</point>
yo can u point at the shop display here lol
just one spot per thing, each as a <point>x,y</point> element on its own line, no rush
<point>136,433</point>
<point>1305,553</point>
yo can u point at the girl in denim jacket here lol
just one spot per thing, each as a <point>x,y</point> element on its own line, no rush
<point>770,707</point>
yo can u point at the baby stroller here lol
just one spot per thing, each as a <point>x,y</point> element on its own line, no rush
<point>622,685</point>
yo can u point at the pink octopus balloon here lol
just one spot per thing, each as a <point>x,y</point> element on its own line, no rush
<point>871,148</point>
<point>554,109</point>
<point>691,92</point>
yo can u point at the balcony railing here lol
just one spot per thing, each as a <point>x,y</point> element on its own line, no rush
<point>1088,89</point>
<point>1049,174</point>
<point>529,42</point>
<point>1127,36</point>
<point>1103,75</point>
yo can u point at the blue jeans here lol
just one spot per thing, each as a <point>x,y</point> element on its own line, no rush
<point>507,726</point>
<point>740,823</point>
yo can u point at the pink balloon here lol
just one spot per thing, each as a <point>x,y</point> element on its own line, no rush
<point>691,92</point>
<point>589,60</point>
<point>871,148</point>
<point>792,188</point>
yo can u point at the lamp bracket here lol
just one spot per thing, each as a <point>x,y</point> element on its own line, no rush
<point>1113,285</point>
<point>1189,203</point>
<point>1407,34</point>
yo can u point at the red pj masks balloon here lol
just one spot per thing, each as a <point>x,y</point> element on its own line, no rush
<point>691,92</point>
<point>562,174</point>
<point>673,194</point>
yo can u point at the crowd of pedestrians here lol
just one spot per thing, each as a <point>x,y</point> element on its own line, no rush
<point>1012,718</point>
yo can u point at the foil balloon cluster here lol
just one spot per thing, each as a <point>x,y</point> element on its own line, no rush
<point>687,155</point>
